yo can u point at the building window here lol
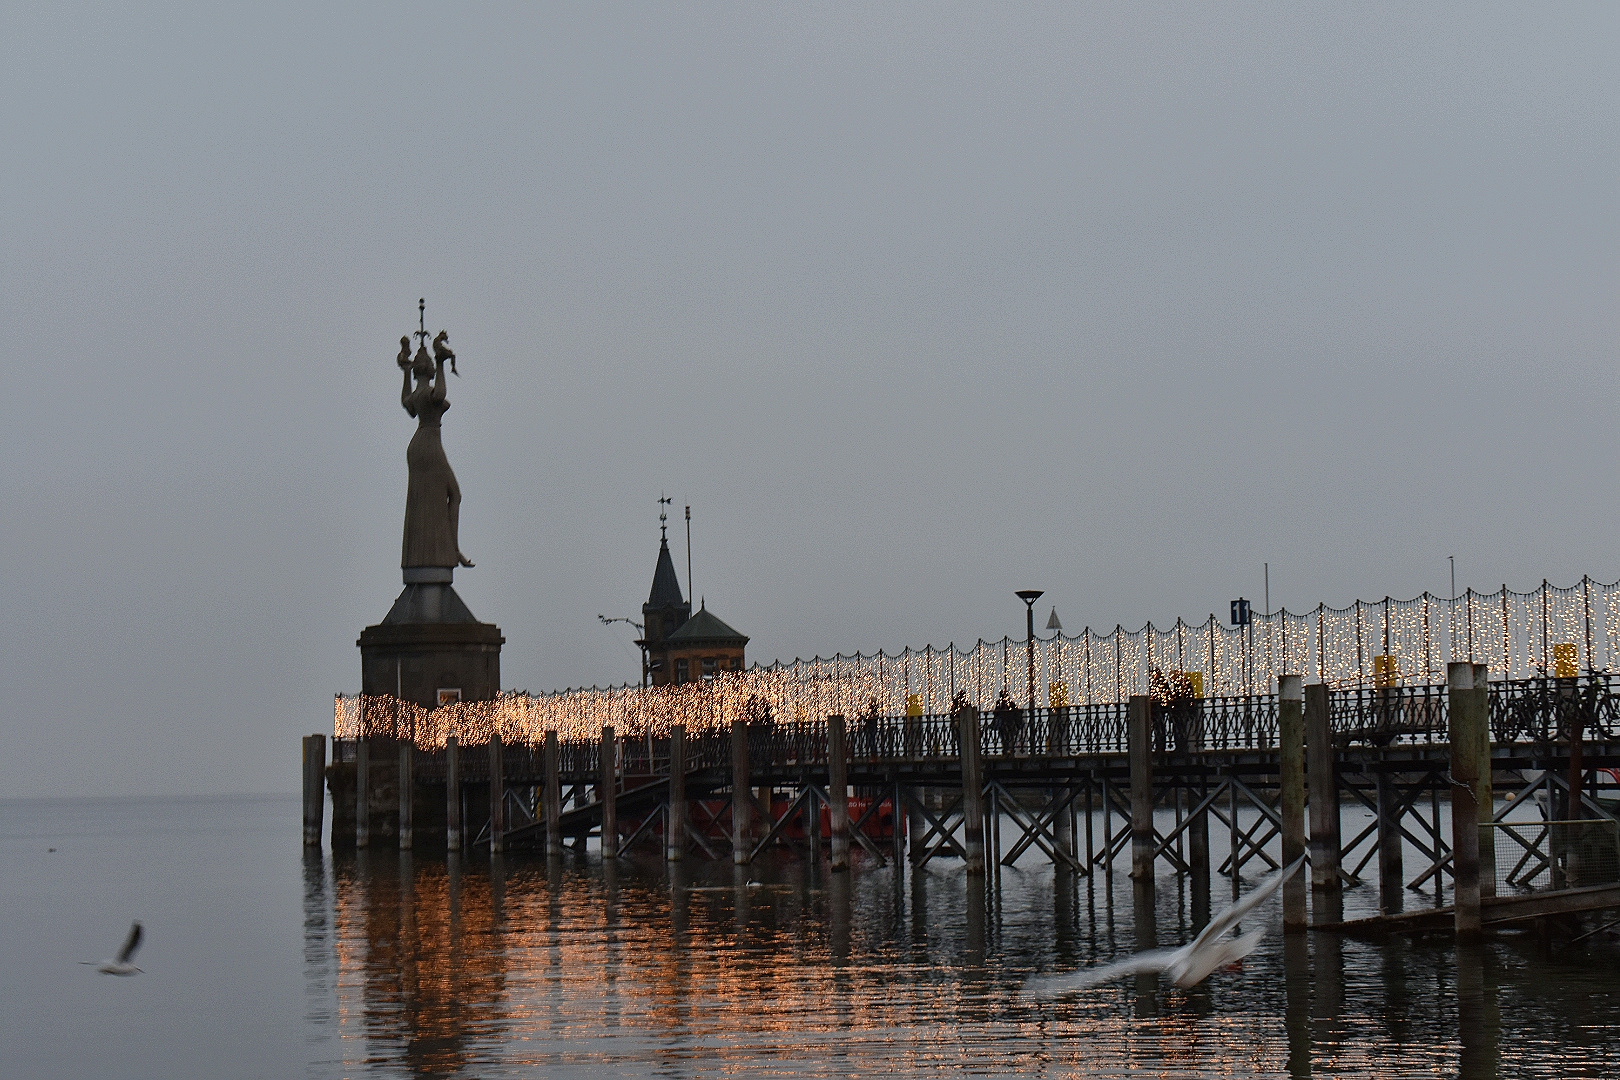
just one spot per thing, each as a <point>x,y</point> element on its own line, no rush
<point>710,666</point>
<point>681,672</point>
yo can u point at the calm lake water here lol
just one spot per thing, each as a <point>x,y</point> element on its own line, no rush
<point>263,960</point>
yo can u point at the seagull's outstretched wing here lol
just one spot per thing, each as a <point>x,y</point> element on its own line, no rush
<point>1216,955</point>
<point>1144,963</point>
<point>132,942</point>
<point>1233,915</point>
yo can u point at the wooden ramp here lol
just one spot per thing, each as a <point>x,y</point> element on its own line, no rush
<point>1498,911</point>
<point>580,820</point>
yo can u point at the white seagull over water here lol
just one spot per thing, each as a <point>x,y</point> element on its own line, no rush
<point>121,965</point>
<point>1193,962</point>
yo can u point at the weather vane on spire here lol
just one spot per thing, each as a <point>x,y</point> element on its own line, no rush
<point>663,516</point>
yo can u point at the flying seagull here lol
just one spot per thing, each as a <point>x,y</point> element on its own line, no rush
<point>1193,962</point>
<point>121,964</point>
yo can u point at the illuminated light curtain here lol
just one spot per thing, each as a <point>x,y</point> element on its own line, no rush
<point>1337,648</point>
<point>1517,634</point>
<point>1566,625</point>
<point>1610,608</point>
<point>1296,645</point>
<point>1226,676</point>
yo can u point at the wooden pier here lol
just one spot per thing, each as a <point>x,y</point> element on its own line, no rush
<point>1279,774</point>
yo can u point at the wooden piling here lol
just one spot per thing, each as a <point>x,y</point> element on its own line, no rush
<point>1108,831</point>
<point>1391,872</point>
<point>897,823</point>
<point>1484,786</point>
<point>1577,766</point>
<point>362,805</point>
<point>1062,823</point>
<point>838,792</point>
<point>1140,743</point>
<point>1232,838</point>
<point>452,794</point>
<point>314,788</point>
<point>993,833</point>
<point>1291,765</point>
<point>675,821</point>
<point>915,825</point>
<point>1467,729</point>
<point>967,732</point>
<point>812,818</point>
<point>1198,855</point>
<point>553,795</point>
<point>497,796</point>
<point>1089,861</point>
<point>741,798</point>
<point>607,792</point>
<point>407,791</point>
<point>1321,766</point>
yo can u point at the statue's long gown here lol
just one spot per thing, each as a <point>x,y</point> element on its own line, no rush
<point>432,501</point>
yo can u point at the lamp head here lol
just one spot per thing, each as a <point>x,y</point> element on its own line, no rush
<point>1029,596</point>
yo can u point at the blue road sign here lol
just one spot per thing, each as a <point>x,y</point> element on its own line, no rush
<point>1240,612</point>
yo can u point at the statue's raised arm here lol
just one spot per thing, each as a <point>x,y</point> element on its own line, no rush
<point>441,353</point>
<point>405,369</point>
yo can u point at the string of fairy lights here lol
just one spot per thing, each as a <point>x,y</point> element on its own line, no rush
<point>1549,631</point>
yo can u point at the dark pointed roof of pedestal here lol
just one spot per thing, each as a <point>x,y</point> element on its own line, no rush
<point>706,626</point>
<point>666,589</point>
<point>433,603</point>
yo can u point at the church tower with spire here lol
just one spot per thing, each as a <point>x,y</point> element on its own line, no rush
<point>665,610</point>
<point>682,647</point>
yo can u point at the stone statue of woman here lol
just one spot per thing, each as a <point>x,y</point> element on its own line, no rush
<point>433,498</point>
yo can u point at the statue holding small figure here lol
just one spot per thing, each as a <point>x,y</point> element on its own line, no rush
<point>432,498</point>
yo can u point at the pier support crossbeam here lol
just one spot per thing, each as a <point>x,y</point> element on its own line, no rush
<point>944,826</point>
<point>800,806</point>
<point>1039,830</point>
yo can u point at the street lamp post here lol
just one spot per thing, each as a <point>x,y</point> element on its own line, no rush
<point>1029,596</point>
<point>642,641</point>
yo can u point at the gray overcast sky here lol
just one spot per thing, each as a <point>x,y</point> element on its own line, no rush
<point>914,305</point>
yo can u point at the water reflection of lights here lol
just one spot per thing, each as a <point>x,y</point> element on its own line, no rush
<point>579,969</point>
